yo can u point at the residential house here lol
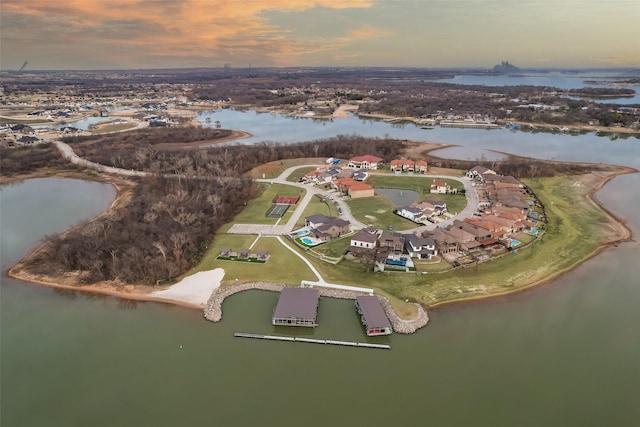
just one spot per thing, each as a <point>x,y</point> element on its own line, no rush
<point>360,190</point>
<point>420,247</point>
<point>365,162</point>
<point>421,167</point>
<point>360,175</point>
<point>477,173</point>
<point>431,207</point>
<point>393,242</point>
<point>28,139</point>
<point>395,165</point>
<point>414,214</point>
<point>445,242</point>
<point>327,227</point>
<point>331,230</point>
<point>440,187</point>
<point>461,235</point>
<point>367,238</point>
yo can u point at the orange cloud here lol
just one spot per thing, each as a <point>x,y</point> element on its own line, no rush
<point>214,29</point>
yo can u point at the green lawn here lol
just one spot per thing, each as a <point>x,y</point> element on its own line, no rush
<point>282,266</point>
<point>378,212</point>
<point>318,205</point>
<point>334,248</point>
<point>274,169</point>
<point>299,173</point>
<point>254,212</point>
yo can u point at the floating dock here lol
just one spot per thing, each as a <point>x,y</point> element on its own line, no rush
<point>312,340</point>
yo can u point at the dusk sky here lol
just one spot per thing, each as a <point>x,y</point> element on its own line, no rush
<point>116,34</point>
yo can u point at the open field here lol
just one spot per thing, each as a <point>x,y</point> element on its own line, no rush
<point>274,169</point>
<point>282,266</point>
<point>299,173</point>
<point>378,212</point>
<point>113,127</point>
<point>254,212</point>
<point>334,248</point>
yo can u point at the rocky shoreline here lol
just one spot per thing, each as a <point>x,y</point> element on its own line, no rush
<point>213,307</point>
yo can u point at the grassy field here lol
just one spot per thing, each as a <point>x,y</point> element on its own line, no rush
<point>334,248</point>
<point>256,209</point>
<point>274,169</point>
<point>282,266</point>
<point>378,212</point>
<point>114,127</point>
<point>299,173</point>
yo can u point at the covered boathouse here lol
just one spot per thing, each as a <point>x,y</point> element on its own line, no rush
<point>373,316</point>
<point>296,307</point>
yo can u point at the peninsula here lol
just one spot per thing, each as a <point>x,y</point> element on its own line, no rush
<point>200,216</point>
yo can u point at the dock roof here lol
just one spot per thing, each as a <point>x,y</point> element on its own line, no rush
<point>300,303</point>
<point>372,312</point>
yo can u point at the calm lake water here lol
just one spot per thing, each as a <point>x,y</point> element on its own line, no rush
<point>397,196</point>
<point>562,354</point>
<point>557,79</point>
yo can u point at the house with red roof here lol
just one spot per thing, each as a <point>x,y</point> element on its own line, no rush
<point>440,187</point>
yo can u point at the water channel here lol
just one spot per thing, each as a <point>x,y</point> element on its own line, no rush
<point>562,354</point>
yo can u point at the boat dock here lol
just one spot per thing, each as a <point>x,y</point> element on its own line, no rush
<point>312,340</point>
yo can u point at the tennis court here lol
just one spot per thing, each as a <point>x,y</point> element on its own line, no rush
<point>277,211</point>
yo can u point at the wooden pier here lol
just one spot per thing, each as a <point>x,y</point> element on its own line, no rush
<point>312,340</point>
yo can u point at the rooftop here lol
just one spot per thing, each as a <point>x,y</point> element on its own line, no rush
<point>301,303</point>
<point>372,312</point>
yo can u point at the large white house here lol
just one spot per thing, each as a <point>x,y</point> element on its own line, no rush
<point>412,213</point>
<point>364,162</point>
<point>366,239</point>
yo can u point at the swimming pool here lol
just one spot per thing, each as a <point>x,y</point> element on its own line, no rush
<point>307,241</point>
<point>515,243</point>
<point>301,233</point>
<point>534,231</point>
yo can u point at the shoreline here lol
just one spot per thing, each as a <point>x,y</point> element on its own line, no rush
<point>141,292</point>
<point>625,235</point>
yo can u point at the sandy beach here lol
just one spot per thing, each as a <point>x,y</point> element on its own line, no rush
<point>194,289</point>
